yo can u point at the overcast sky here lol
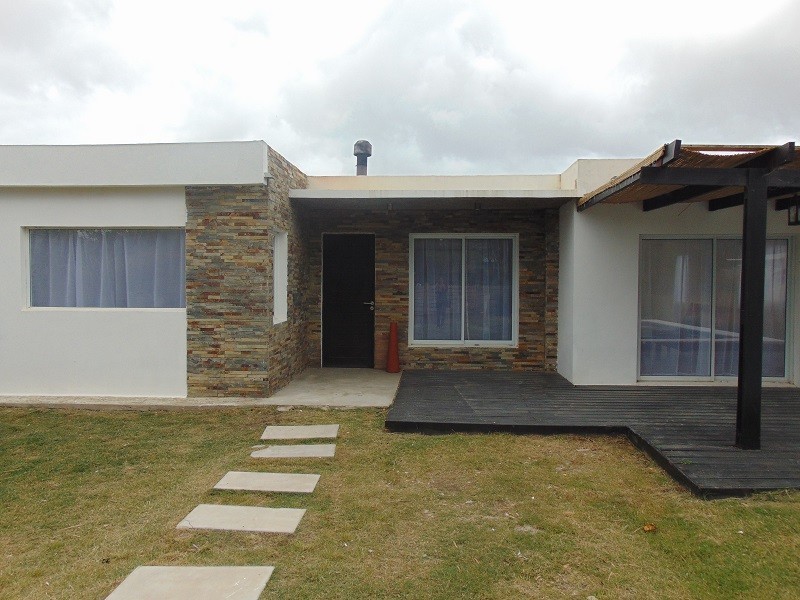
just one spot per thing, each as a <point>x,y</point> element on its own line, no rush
<point>438,87</point>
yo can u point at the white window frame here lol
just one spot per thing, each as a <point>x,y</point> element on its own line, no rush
<point>788,347</point>
<point>280,277</point>
<point>462,343</point>
<point>27,280</point>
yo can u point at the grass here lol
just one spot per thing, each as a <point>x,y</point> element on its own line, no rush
<point>87,496</point>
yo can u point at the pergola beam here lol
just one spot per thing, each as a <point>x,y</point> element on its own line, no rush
<point>777,157</point>
<point>699,181</point>
<point>726,202</point>
<point>693,177</point>
<point>785,178</point>
<point>781,202</point>
<point>696,181</point>
<point>674,197</point>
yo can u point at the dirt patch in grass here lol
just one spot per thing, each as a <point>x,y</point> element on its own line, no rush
<point>87,496</point>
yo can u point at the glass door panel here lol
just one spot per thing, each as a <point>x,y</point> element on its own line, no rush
<point>728,285</point>
<point>675,300</point>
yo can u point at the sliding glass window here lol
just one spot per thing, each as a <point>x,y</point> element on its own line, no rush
<point>689,295</point>
<point>464,289</point>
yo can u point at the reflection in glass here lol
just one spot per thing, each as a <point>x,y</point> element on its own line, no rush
<point>675,298</point>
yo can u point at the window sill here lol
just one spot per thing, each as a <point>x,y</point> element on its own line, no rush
<point>459,344</point>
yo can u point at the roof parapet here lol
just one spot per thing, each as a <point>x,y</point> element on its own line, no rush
<point>206,163</point>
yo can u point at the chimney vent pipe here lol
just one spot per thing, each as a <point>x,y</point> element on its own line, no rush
<point>362,151</point>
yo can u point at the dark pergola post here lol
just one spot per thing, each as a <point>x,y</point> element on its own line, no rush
<point>751,320</point>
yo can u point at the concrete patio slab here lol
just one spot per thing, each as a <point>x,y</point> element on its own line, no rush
<point>342,388</point>
<point>255,519</point>
<point>268,482</point>
<point>299,432</point>
<point>193,583</point>
<point>296,451</point>
<point>339,387</point>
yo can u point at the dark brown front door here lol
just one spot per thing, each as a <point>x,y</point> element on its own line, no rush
<point>348,300</point>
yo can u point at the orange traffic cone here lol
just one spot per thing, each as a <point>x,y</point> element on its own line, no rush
<point>393,358</point>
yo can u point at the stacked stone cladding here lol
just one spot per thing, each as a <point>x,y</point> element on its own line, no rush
<point>538,282</point>
<point>233,347</point>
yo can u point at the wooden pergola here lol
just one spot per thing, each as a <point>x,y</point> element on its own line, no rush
<point>723,177</point>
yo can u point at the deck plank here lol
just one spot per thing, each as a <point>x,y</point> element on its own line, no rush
<point>689,430</point>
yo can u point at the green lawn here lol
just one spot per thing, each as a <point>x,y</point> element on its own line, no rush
<point>86,496</point>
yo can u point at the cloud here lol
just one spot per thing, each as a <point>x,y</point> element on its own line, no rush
<point>739,90</point>
<point>437,84</point>
<point>456,86</point>
<point>437,90</point>
<point>53,55</point>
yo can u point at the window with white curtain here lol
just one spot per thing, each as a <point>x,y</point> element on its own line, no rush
<point>464,289</point>
<point>107,268</point>
<point>689,298</point>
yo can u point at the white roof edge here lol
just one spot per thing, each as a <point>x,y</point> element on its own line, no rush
<point>191,163</point>
<point>409,194</point>
<point>435,182</point>
<point>587,174</point>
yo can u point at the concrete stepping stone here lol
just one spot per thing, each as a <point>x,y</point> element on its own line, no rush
<point>299,432</point>
<point>268,482</point>
<point>296,451</point>
<point>243,518</point>
<point>193,583</point>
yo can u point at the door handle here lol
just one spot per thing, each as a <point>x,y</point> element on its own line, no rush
<point>371,304</point>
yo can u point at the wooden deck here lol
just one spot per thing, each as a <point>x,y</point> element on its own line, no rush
<point>688,430</point>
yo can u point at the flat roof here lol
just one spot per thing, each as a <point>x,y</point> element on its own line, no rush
<point>457,191</point>
<point>202,163</point>
<point>440,192</point>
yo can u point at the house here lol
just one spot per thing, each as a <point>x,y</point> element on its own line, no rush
<point>220,269</point>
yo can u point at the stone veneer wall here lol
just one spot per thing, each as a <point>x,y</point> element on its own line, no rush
<point>232,345</point>
<point>538,282</point>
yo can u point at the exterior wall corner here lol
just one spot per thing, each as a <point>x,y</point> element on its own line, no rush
<point>233,347</point>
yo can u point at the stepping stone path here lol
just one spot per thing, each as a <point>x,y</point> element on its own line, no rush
<point>193,583</point>
<point>268,482</point>
<point>236,583</point>
<point>296,451</point>
<point>243,518</point>
<point>299,432</point>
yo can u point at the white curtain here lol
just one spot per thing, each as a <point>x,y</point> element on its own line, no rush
<point>729,294</point>
<point>119,268</point>
<point>437,289</point>
<point>675,299</point>
<point>486,287</point>
<point>489,286</point>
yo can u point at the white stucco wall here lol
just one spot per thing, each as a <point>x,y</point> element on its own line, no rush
<point>203,163</point>
<point>566,289</point>
<point>599,282</point>
<point>97,352</point>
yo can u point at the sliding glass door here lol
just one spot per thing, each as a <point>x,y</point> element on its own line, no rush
<point>689,295</point>
<point>675,308</point>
